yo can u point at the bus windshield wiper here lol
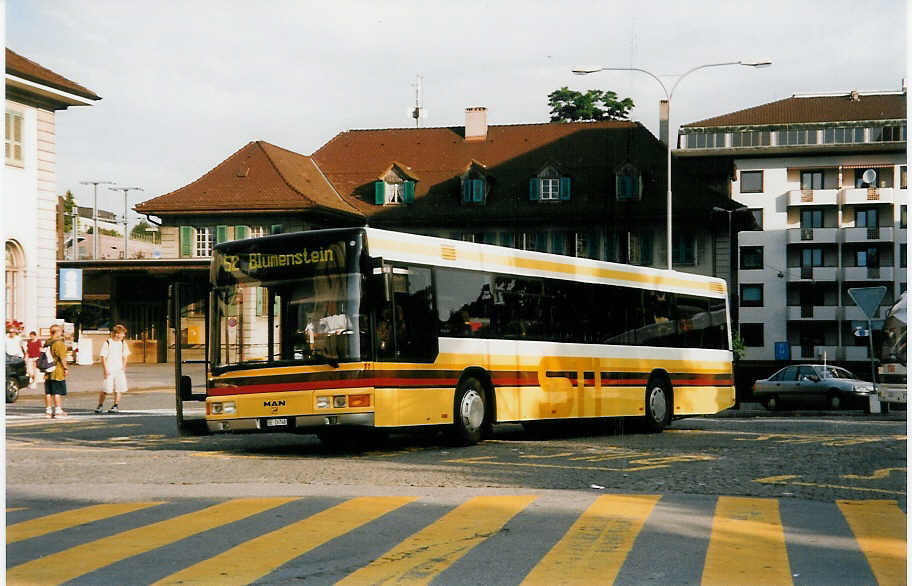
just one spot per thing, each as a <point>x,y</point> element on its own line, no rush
<point>316,356</point>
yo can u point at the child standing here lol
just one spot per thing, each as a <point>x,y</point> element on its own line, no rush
<point>114,353</point>
<point>33,350</point>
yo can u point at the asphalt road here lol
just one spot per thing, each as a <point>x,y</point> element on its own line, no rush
<point>814,497</point>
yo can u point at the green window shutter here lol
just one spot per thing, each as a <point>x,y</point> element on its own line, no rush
<point>610,249</point>
<point>490,237</point>
<point>409,192</point>
<point>506,239</point>
<point>477,191</point>
<point>241,232</point>
<point>261,301</point>
<point>467,191</point>
<point>186,241</point>
<point>646,248</point>
<point>534,186</point>
<point>557,243</point>
<point>541,241</point>
<point>565,188</point>
<point>275,229</point>
<point>221,234</point>
<point>379,193</point>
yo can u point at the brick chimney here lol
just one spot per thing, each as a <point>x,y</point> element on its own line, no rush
<point>476,126</point>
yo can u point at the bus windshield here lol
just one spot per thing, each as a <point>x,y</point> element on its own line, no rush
<point>308,308</point>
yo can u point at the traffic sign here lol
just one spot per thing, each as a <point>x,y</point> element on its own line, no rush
<point>868,298</point>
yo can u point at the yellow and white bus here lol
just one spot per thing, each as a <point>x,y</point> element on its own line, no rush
<point>328,330</point>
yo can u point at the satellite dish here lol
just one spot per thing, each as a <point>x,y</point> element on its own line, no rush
<point>869,176</point>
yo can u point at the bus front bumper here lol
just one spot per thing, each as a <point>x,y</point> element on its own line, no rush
<point>305,423</point>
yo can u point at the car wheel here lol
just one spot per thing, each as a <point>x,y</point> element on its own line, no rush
<point>469,412</point>
<point>772,403</point>
<point>834,401</point>
<point>12,390</point>
<point>658,405</point>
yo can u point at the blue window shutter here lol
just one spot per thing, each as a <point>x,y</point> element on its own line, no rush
<point>379,193</point>
<point>409,192</point>
<point>221,234</point>
<point>565,188</point>
<point>467,191</point>
<point>478,191</point>
<point>240,232</point>
<point>186,241</point>
<point>534,186</point>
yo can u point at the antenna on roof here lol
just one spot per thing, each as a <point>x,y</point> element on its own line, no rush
<point>417,112</point>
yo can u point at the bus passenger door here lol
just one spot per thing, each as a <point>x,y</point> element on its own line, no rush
<point>188,316</point>
<point>406,322</point>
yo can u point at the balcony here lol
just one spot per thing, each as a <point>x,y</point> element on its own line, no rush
<point>812,274</point>
<point>866,195</point>
<point>868,234</point>
<point>815,197</point>
<point>851,274</point>
<point>811,235</point>
<point>812,312</point>
<point>853,313</point>
<point>815,353</point>
<point>856,353</point>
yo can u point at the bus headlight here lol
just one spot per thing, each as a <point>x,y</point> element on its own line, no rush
<point>339,401</point>
<point>223,408</point>
<point>323,402</point>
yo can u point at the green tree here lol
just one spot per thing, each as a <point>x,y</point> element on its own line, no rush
<point>69,203</point>
<point>572,106</point>
<point>139,232</point>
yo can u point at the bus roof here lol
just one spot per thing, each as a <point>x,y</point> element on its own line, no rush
<point>429,250</point>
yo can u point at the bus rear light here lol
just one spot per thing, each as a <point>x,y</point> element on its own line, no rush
<point>359,400</point>
<point>339,401</point>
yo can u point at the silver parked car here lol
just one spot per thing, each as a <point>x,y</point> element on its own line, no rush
<point>813,382</point>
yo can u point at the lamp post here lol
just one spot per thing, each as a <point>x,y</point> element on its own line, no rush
<point>126,208</point>
<point>95,185</point>
<point>665,112</point>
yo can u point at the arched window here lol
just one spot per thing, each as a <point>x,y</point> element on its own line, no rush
<point>15,282</point>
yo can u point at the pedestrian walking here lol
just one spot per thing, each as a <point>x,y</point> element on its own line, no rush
<point>114,354</point>
<point>55,385</point>
<point>14,344</point>
<point>32,351</point>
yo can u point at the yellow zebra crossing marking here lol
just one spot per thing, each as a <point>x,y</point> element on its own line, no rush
<point>82,559</point>
<point>68,519</point>
<point>881,535</point>
<point>418,559</point>
<point>595,547</point>
<point>255,558</point>
<point>747,544</point>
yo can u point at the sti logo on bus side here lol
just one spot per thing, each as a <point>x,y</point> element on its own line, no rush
<point>280,403</point>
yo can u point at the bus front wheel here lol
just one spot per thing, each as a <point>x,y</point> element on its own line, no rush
<point>658,405</point>
<point>469,411</point>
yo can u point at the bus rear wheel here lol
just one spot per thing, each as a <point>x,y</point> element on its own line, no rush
<point>658,405</point>
<point>469,412</point>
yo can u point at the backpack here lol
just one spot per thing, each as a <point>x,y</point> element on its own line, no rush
<point>46,362</point>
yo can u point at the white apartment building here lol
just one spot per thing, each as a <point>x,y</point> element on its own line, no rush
<point>825,179</point>
<point>33,96</point>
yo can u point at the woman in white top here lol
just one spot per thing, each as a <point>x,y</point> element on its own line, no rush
<point>14,343</point>
<point>114,353</point>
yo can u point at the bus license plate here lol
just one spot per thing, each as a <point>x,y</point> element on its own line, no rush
<point>277,422</point>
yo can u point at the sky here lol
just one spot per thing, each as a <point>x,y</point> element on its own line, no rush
<point>184,84</point>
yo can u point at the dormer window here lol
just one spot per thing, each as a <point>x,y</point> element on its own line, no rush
<point>548,185</point>
<point>395,187</point>
<point>628,183</point>
<point>474,185</point>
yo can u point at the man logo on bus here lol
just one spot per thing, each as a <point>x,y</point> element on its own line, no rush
<point>280,403</point>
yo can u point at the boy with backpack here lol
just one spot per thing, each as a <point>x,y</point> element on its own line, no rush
<point>114,353</point>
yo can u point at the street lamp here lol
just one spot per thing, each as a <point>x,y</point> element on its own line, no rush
<point>126,208</point>
<point>665,112</point>
<point>95,185</point>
